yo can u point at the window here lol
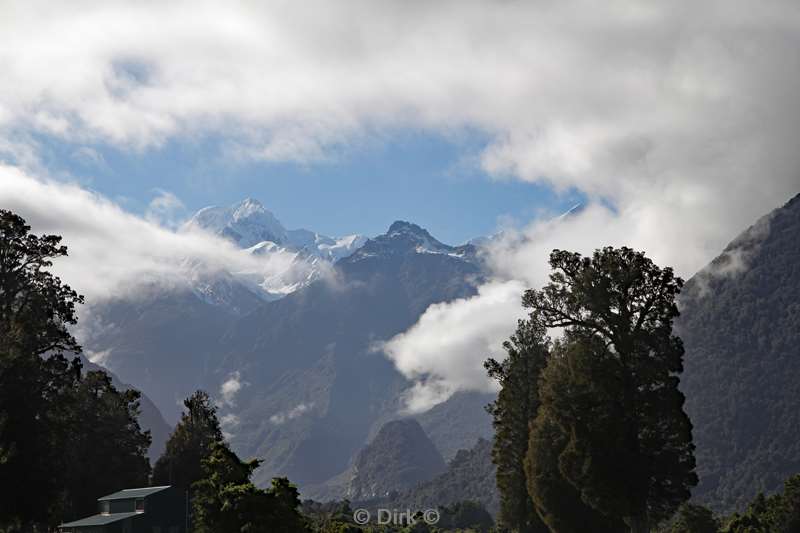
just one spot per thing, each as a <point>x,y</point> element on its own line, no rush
<point>140,505</point>
<point>105,507</point>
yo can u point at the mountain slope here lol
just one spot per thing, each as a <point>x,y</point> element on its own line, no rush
<point>150,418</point>
<point>298,379</point>
<point>249,223</point>
<point>399,457</point>
<point>315,349</point>
<point>741,327</point>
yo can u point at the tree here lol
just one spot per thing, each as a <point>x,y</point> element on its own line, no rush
<point>693,518</point>
<point>225,500</point>
<point>620,300</point>
<point>515,407</point>
<point>465,515</point>
<point>192,441</point>
<point>109,452</point>
<point>35,312</point>
<point>35,307</point>
<point>779,513</point>
<point>61,432</point>
<point>574,385</point>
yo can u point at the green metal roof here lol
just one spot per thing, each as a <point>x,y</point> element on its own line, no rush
<point>133,493</point>
<point>100,519</point>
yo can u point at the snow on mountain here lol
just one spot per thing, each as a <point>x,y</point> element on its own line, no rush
<point>297,257</point>
<point>246,223</point>
<point>403,237</point>
<point>249,224</point>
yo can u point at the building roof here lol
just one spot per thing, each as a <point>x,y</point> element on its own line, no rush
<point>133,493</point>
<point>100,519</point>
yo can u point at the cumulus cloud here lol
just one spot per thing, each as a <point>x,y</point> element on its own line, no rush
<point>230,388</point>
<point>291,414</point>
<point>165,209</point>
<point>677,120</point>
<point>114,253</point>
<point>442,352</point>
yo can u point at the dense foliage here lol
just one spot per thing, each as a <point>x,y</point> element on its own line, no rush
<point>574,438</point>
<point>225,500</point>
<point>399,457</point>
<point>470,476</point>
<point>61,432</point>
<point>192,441</point>
<point>516,405</point>
<point>741,326</point>
<point>629,450</point>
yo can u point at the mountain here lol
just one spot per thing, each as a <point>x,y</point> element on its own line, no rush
<point>740,325</point>
<point>470,476</point>
<point>150,418</point>
<point>249,224</point>
<point>314,351</point>
<point>297,378</point>
<point>399,457</point>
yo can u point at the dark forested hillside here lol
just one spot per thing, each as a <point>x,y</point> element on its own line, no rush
<point>741,327</point>
<point>470,476</point>
<point>399,457</point>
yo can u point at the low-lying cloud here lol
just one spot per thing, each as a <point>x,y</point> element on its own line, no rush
<point>114,253</point>
<point>439,352</point>
<point>290,414</point>
<point>230,388</point>
<point>676,120</point>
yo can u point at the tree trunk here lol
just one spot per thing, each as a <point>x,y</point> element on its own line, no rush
<point>639,524</point>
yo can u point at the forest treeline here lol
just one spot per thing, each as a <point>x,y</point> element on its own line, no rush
<point>590,429</point>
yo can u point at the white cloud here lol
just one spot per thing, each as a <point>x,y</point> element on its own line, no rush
<point>229,421</point>
<point>681,115</point>
<point>291,414</point>
<point>165,209</point>
<point>443,352</point>
<point>230,388</point>
<point>113,252</point>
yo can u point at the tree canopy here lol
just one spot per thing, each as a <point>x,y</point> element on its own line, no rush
<point>61,432</point>
<point>513,410</point>
<point>192,441</point>
<point>630,451</point>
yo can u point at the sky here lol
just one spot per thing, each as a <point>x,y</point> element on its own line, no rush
<point>674,123</point>
<point>424,177</point>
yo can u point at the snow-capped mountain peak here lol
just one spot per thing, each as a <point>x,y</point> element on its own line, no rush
<point>408,238</point>
<point>246,223</point>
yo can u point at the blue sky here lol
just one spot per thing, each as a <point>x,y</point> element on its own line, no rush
<point>432,180</point>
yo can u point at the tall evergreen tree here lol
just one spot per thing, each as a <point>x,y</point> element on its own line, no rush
<point>60,432</point>
<point>516,405</point>
<point>641,468</point>
<point>35,311</point>
<point>692,518</point>
<point>108,452</point>
<point>225,500</point>
<point>192,441</point>
<point>573,386</point>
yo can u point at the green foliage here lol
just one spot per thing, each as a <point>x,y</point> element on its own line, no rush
<point>619,307</point>
<point>108,451</point>
<point>741,325</point>
<point>465,515</point>
<point>574,388</point>
<point>692,518</point>
<point>470,475</point>
<point>192,441</point>
<point>779,513</point>
<point>515,407</point>
<point>226,501</point>
<point>61,433</point>
<point>35,307</point>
